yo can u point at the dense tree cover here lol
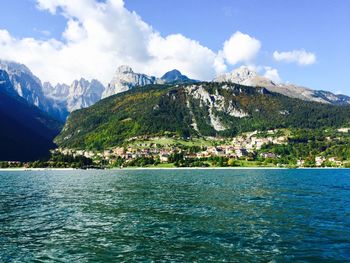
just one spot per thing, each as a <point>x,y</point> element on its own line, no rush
<point>158,109</point>
<point>4,164</point>
<point>55,161</point>
<point>143,161</point>
<point>306,144</point>
<point>62,161</point>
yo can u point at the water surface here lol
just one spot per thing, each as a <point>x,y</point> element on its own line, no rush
<point>175,215</point>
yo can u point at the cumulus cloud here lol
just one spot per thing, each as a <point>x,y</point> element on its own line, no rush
<point>5,37</point>
<point>272,74</point>
<point>186,54</point>
<point>300,57</point>
<point>101,35</point>
<point>241,48</point>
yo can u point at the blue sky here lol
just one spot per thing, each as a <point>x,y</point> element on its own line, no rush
<point>320,27</point>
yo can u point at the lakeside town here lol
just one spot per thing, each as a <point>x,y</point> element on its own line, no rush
<point>272,148</point>
<point>248,149</point>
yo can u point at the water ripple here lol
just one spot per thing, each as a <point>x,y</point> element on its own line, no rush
<point>177,216</point>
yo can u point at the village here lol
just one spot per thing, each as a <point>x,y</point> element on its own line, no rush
<point>248,146</point>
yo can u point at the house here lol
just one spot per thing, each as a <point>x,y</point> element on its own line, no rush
<point>119,151</point>
<point>300,163</point>
<point>335,160</point>
<point>319,160</point>
<point>79,153</point>
<point>89,154</point>
<point>164,157</point>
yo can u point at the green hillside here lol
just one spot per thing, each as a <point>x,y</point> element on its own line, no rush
<point>202,109</point>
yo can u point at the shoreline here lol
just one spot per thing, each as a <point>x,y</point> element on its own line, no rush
<point>167,168</point>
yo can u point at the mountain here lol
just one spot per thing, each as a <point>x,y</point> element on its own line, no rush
<point>200,109</point>
<point>125,79</point>
<point>26,85</point>
<point>58,92</point>
<point>80,94</point>
<point>84,93</point>
<point>245,76</point>
<point>57,101</point>
<point>175,76</point>
<point>26,132</point>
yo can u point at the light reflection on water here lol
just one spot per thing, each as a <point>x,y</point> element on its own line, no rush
<point>175,215</point>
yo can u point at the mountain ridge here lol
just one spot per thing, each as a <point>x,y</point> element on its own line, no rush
<point>80,94</point>
<point>245,76</point>
<point>60,100</point>
<point>201,109</point>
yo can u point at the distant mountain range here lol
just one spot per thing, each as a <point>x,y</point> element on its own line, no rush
<point>125,79</point>
<point>135,104</point>
<point>61,99</point>
<point>80,94</point>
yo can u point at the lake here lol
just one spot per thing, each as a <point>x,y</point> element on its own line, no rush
<point>175,215</point>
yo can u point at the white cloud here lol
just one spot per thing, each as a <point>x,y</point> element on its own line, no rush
<point>100,36</point>
<point>272,74</point>
<point>183,53</point>
<point>5,37</point>
<point>219,63</point>
<point>241,48</point>
<point>300,57</point>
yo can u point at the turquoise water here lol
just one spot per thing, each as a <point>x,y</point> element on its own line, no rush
<point>175,215</point>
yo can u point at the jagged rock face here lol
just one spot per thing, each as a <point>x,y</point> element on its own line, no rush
<point>215,103</point>
<point>242,76</point>
<point>247,77</point>
<point>125,79</point>
<point>5,84</point>
<point>58,101</point>
<point>83,94</point>
<point>60,91</point>
<point>80,94</point>
<point>25,83</point>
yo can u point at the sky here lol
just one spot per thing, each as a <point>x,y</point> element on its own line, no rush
<point>302,42</point>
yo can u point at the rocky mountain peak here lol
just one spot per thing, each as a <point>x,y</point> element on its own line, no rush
<point>173,72</point>
<point>126,79</point>
<point>174,76</point>
<point>84,93</point>
<point>242,75</point>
